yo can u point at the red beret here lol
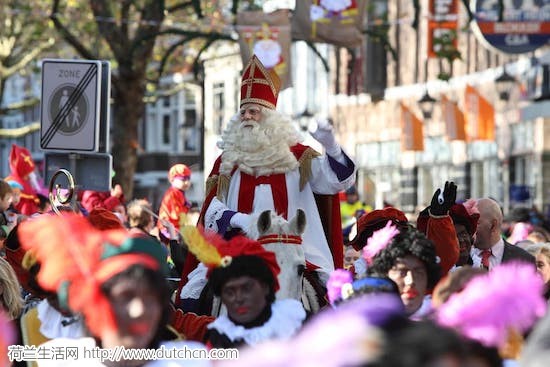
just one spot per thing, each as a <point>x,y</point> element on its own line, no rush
<point>373,221</point>
<point>103,219</point>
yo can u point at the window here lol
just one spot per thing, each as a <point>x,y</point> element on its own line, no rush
<point>166,129</point>
<point>189,97</point>
<point>218,107</point>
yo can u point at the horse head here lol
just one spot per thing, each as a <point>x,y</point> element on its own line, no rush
<point>284,239</point>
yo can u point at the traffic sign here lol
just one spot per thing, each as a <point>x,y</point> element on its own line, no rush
<point>105,108</point>
<point>522,26</point>
<point>70,110</point>
<point>91,171</point>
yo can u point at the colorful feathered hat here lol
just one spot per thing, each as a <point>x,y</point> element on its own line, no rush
<point>258,85</point>
<point>179,171</point>
<point>370,222</point>
<point>217,253</point>
<point>79,261</point>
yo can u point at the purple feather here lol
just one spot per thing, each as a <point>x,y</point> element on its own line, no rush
<point>337,279</point>
<point>376,308</point>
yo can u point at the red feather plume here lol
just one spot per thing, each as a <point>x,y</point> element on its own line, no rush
<point>69,249</point>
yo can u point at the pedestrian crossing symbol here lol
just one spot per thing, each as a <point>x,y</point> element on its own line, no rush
<point>73,116</point>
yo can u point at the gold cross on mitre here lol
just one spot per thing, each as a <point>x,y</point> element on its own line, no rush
<point>27,158</point>
<point>260,95</point>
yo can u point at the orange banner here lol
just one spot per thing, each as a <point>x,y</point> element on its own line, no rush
<point>412,135</point>
<point>454,120</point>
<point>443,19</point>
<point>335,22</point>
<point>267,35</point>
<point>480,115</point>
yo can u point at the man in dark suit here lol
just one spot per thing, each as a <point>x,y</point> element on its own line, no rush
<point>489,248</point>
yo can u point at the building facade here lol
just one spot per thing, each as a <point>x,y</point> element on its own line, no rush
<point>510,168</point>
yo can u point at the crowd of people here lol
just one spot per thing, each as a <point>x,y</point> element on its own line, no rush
<point>455,285</point>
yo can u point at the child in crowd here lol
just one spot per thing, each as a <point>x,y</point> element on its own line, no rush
<point>174,203</point>
<point>5,201</point>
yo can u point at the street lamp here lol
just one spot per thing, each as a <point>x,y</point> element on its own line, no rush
<point>504,84</point>
<point>427,104</point>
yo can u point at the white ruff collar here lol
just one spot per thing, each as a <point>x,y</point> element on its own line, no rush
<point>287,316</point>
<point>51,323</point>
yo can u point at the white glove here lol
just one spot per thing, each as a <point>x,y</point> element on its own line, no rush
<point>213,213</point>
<point>325,135</point>
<point>240,220</point>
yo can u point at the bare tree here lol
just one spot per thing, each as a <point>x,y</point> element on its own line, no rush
<point>126,32</point>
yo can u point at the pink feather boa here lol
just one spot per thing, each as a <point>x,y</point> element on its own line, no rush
<point>471,207</point>
<point>338,278</point>
<point>378,241</point>
<point>507,298</point>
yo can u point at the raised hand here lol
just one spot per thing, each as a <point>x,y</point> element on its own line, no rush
<point>441,203</point>
<point>325,135</point>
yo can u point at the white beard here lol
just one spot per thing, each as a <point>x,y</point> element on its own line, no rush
<point>262,149</point>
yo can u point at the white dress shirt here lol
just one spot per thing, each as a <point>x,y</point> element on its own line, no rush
<point>497,251</point>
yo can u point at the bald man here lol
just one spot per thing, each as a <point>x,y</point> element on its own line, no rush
<point>489,248</point>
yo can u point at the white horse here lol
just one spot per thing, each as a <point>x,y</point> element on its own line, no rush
<point>284,239</point>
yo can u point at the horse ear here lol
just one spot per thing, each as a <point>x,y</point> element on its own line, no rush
<point>298,222</point>
<point>264,221</point>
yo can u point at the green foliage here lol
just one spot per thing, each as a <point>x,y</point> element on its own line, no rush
<point>25,33</point>
<point>445,46</point>
<point>446,50</point>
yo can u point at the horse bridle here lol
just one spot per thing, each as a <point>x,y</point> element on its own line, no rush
<point>280,238</point>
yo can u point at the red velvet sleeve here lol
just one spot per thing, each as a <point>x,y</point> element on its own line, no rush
<point>191,325</point>
<point>442,233</point>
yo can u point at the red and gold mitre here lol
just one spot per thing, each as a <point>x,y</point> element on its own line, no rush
<point>259,85</point>
<point>20,161</point>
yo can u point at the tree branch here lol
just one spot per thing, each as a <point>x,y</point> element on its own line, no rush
<point>314,49</point>
<point>185,33</point>
<point>197,7</point>
<point>208,43</point>
<point>67,35</point>
<point>179,6</point>
<point>124,17</point>
<point>169,53</point>
<point>19,105</point>
<point>28,57</point>
<point>152,17</point>
<point>235,7</point>
<point>109,30</point>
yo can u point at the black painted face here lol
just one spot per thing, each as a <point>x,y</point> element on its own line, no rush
<point>245,298</point>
